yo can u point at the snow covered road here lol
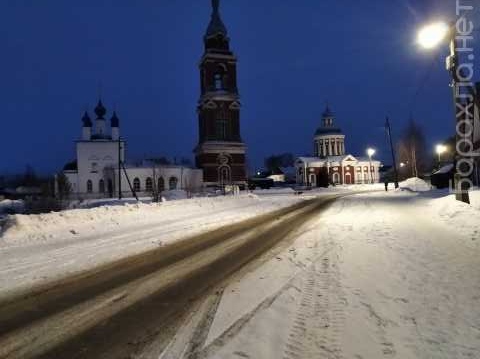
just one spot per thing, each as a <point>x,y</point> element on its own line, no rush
<point>376,276</point>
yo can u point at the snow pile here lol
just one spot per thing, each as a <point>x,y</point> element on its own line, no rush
<point>415,184</point>
<point>11,206</point>
<point>105,219</point>
<point>464,218</point>
<point>174,195</point>
<point>274,190</point>
<point>444,169</point>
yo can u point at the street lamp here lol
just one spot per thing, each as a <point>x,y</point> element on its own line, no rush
<point>430,37</point>
<point>370,153</point>
<point>402,164</point>
<point>440,149</point>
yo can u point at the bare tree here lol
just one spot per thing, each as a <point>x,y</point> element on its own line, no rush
<point>412,149</point>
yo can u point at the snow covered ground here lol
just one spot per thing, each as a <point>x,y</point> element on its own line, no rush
<point>37,248</point>
<point>379,275</point>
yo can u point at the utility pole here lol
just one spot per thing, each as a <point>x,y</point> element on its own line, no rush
<point>389,134</point>
<point>119,168</point>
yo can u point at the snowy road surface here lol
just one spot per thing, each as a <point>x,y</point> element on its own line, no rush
<point>376,276</point>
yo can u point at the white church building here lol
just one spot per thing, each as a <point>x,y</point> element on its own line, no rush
<point>330,163</point>
<point>101,158</point>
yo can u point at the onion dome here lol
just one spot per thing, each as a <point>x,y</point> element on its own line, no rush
<point>100,110</point>
<point>216,25</point>
<point>87,122</point>
<point>114,121</point>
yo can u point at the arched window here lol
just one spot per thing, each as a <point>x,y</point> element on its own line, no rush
<point>136,184</point>
<point>149,185</point>
<point>161,184</point>
<point>101,186</point>
<point>89,186</point>
<point>172,183</point>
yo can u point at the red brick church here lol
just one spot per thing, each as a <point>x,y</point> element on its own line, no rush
<point>220,151</point>
<point>331,164</point>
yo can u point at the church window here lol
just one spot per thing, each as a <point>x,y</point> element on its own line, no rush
<point>94,167</point>
<point>161,184</point>
<point>221,129</point>
<point>218,78</point>
<point>101,186</point>
<point>149,185</point>
<point>89,186</point>
<point>136,184</point>
<point>172,183</point>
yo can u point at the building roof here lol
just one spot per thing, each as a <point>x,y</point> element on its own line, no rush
<point>320,161</point>
<point>100,110</point>
<point>115,122</point>
<point>328,131</point>
<point>87,122</point>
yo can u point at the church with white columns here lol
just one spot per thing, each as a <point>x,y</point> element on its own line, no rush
<point>331,164</point>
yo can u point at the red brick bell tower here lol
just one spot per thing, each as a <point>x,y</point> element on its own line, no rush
<point>220,151</point>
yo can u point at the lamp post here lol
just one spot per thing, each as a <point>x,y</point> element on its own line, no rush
<point>440,149</point>
<point>430,37</point>
<point>370,153</point>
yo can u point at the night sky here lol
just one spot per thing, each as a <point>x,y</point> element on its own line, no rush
<point>294,55</point>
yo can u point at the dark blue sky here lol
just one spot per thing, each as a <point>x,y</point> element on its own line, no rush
<point>294,55</point>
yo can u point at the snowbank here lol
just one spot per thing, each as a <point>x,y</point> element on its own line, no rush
<point>37,248</point>
<point>415,184</point>
<point>102,218</point>
<point>464,218</point>
<point>11,206</point>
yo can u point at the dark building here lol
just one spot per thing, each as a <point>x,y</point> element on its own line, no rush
<point>220,151</point>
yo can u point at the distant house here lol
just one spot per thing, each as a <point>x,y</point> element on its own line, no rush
<point>443,177</point>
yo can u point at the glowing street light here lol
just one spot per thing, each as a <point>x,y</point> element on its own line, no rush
<point>440,149</point>
<point>432,35</point>
<point>370,153</point>
<point>402,164</point>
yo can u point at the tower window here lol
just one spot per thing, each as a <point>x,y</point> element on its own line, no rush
<point>221,129</point>
<point>218,81</point>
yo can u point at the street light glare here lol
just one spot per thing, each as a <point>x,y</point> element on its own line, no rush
<point>370,152</point>
<point>441,149</point>
<point>432,35</point>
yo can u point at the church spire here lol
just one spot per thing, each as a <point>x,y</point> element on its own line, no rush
<point>216,27</point>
